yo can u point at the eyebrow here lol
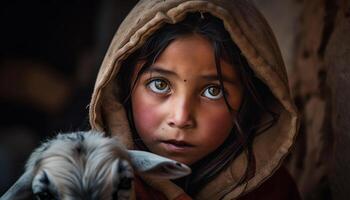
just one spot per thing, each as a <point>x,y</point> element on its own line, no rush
<point>160,70</point>
<point>224,78</point>
<point>208,77</point>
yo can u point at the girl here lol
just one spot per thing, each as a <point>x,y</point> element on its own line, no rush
<point>203,83</point>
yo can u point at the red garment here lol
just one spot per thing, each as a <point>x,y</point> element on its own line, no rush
<point>278,187</point>
<point>145,192</point>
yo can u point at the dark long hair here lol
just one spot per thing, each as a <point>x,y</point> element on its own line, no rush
<point>256,97</point>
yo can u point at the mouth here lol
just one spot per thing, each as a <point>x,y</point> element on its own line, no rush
<point>177,145</point>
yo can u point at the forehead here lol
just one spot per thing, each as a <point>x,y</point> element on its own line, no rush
<point>192,55</point>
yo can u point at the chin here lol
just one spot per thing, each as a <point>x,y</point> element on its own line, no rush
<point>182,160</point>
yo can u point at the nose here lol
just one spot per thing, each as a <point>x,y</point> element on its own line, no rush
<point>182,114</point>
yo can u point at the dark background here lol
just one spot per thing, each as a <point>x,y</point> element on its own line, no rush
<point>50,52</point>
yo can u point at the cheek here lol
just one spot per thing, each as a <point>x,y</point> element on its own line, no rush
<point>147,116</point>
<point>217,125</point>
<point>221,122</point>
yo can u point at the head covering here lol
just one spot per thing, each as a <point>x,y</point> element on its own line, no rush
<point>251,33</point>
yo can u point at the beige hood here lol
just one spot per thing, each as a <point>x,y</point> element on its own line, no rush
<point>253,36</point>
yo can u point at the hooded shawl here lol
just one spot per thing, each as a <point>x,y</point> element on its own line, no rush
<point>251,33</point>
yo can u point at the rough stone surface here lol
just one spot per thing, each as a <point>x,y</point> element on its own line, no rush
<point>337,61</point>
<point>317,55</point>
<point>308,163</point>
<point>320,82</point>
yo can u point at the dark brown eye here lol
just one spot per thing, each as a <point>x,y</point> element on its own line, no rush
<point>213,92</point>
<point>159,86</point>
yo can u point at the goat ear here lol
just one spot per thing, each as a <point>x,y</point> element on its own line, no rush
<point>157,166</point>
<point>21,190</point>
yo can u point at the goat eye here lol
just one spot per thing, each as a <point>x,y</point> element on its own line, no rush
<point>44,196</point>
<point>123,189</point>
<point>125,183</point>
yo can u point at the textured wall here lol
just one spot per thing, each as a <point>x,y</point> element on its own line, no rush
<point>309,162</point>
<point>316,47</point>
<point>337,63</point>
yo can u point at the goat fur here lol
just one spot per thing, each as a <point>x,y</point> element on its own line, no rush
<point>86,165</point>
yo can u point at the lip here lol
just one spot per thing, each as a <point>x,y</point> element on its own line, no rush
<point>177,145</point>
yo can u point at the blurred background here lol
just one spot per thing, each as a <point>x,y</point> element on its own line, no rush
<point>50,52</point>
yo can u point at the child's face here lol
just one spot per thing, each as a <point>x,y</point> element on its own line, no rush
<point>179,110</point>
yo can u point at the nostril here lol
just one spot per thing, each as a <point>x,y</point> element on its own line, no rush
<point>185,125</point>
<point>125,183</point>
<point>171,124</point>
<point>182,111</point>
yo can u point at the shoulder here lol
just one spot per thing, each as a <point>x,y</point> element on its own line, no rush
<point>279,186</point>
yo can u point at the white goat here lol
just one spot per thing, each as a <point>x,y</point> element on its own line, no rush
<point>86,165</point>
